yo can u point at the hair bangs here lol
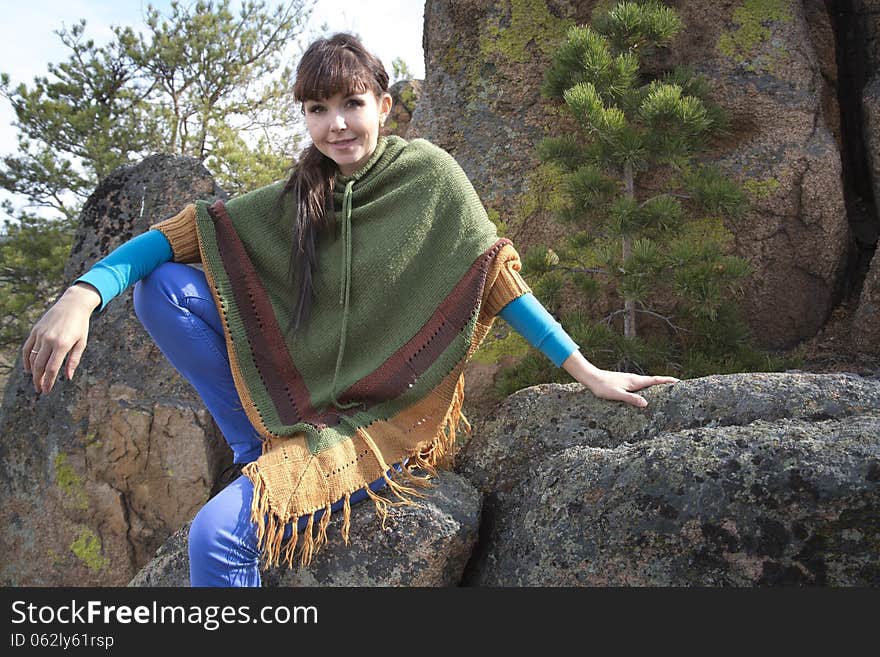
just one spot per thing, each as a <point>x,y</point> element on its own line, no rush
<point>339,72</point>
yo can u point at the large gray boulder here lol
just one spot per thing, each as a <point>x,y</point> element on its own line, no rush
<point>743,480</point>
<point>734,480</point>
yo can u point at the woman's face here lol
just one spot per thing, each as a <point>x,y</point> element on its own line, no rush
<point>346,128</point>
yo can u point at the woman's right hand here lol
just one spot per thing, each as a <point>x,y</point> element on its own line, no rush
<point>63,329</point>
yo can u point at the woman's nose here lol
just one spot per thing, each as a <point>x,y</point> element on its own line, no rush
<point>338,122</point>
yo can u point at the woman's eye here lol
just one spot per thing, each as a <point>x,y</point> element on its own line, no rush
<point>314,109</point>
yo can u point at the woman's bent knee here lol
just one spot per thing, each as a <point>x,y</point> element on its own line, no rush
<point>167,290</point>
<point>222,540</point>
<point>155,290</point>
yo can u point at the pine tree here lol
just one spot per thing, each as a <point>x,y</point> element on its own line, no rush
<point>661,252</point>
<point>202,76</point>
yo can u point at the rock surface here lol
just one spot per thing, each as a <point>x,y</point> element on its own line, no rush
<point>98,473</point>
<point>405,96</point>
<point>867,318</point>
<point>736,480</point>
<point>871,129</point>
<point>862,20</point>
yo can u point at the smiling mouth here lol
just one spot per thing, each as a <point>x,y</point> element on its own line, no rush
<point>342,142</point>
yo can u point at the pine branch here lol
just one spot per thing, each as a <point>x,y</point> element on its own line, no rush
<point>607,319</point>
<point>581,270</point>
<point>659,196</point>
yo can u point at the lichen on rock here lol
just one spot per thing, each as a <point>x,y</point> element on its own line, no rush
<point>507,37</point>
<point>87,548</point>
<point>747,44</point>
<point>69,482</point>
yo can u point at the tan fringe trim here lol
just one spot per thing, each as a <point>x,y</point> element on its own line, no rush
<point>381,503</point>
<point>441,452</point>
<point>270,527</point>
<point>403,485</point>
<point>400,491</point>
<point>411,479</point>
<point>421,460</point>
<point>277,537</point>
<point>308,546</point>
<point>322,528</point>
<point>346,517</point>
<point>259,501</point>
<point>291,544</point>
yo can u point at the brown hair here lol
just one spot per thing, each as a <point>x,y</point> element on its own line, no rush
<point>339,64</point>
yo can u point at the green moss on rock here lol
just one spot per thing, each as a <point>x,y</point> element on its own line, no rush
<point>761,188</point>
<point>87,548</point>
<point>54,557</point>
<point>495,217</point>
<point>69,482</point>
<point>544,192</point>
<point>408,98</point>
<point>755,18</point>
<point>452,60</point>
<point>530,22</point>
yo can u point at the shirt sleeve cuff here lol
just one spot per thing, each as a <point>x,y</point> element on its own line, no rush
<point>104,280</point>
<point>529,318</point>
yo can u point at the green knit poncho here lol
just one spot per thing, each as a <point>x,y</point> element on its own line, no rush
<point>406,287</point>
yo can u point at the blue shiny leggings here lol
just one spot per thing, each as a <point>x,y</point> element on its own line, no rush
<point>175,306</point>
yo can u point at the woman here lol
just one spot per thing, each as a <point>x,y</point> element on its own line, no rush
<point>397,275</point>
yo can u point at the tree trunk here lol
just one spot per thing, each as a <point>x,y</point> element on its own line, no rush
<point>629,316</point>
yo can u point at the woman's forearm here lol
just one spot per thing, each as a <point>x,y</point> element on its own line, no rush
<point>583,371</point>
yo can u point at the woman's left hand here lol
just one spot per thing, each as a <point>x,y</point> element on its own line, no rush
<point>608,384</point>
<point>618,385</point>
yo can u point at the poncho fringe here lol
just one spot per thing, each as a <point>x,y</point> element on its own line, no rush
<point>271,525</point>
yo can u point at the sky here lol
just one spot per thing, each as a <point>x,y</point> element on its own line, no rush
<point>389,28</point>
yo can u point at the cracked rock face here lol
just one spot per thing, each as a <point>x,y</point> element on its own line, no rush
<point>736,480</point>
<point>866,324</point>
<point>98,473</point>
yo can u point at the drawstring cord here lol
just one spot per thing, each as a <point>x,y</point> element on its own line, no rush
<point>345,276</point>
